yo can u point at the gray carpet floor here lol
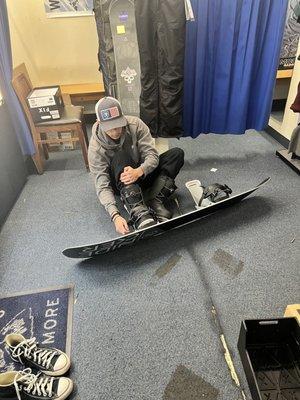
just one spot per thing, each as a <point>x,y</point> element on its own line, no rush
<point>148,319</point>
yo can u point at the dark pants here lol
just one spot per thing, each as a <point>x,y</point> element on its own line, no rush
<point>170,164</point>
<point>161,37</point>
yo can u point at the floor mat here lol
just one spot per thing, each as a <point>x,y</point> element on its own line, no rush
<point>45,314</point>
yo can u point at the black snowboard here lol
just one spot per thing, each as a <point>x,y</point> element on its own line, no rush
<point>114,244</point>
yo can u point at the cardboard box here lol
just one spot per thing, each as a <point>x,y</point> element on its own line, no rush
<point>45,103</point>
<point>54,146</point>
<point>67,145</point>
<point>61,146</point>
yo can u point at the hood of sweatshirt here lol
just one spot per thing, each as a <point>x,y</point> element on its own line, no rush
<point>105,141</point>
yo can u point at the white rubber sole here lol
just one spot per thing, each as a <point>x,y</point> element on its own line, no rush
<point>163,219</point>
<point>62,397</point>
<point>146,222</point>
<point>67,392</point>
<point>59,372</point>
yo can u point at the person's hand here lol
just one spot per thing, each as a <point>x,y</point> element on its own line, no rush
<point>131,175</point>
<point>121,225</point>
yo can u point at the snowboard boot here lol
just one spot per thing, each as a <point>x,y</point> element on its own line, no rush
<point>164,187</point>
<point>23,385</point>
<point>50,361</point>
<point>133,201</point>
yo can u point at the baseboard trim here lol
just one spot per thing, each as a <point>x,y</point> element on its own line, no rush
<point>30,165</point>
<point>294,163</point>
<point>279,138</point>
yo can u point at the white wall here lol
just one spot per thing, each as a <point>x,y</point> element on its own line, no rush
<point>55,50</point>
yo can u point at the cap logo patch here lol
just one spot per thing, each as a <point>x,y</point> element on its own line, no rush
<point>109,113</point>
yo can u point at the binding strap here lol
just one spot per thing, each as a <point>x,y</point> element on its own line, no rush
<point>216,192</point>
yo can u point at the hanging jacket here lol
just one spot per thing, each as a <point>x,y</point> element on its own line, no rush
<point>161,38</point>
<point>296,105</point>
<point>294,146</point>
<point>106,56</point>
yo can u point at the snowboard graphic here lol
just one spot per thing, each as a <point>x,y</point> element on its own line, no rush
<point>155,230</point>
<point>126,51</point>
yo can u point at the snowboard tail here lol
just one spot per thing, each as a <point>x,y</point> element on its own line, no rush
<point>109,246</point>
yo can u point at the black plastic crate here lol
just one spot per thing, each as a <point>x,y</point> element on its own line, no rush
<point>270,353</point>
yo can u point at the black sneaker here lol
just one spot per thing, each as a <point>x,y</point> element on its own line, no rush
<point>50,361</point>
<point>23,385</point>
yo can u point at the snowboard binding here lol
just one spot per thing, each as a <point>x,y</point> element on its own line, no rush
<point>216,192</point>
<point>206,196</point>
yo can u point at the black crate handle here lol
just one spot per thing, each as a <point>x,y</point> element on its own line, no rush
<point>268,322</point>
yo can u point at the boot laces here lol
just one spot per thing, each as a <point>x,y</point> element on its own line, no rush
<point>40,385</point>
<point>29,349</point>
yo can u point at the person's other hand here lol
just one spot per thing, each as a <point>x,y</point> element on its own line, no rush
<point>131,175</point>
<point>121,225</point>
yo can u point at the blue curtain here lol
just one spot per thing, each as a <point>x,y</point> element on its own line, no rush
<point>232,54</point>
<point>16,112</point>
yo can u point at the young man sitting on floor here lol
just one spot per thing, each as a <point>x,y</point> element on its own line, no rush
<point>124,161</point>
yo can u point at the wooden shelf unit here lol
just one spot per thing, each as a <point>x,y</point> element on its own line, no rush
<point>85,94</point>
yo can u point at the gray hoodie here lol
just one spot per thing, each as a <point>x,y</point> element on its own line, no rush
<point>136,140</point>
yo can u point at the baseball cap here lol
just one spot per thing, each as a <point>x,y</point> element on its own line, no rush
<point>109,114</point>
